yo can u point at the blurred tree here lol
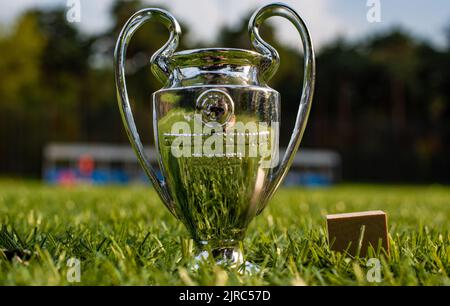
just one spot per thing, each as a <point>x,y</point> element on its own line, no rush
<point>20,78</point>
<point>397,53</point>
<point>383,102</point>
<point>340,65</point>
<point>64,69</point>
<point>20,52</point>
<point>44,68</point>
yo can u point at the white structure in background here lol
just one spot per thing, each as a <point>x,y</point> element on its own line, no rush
<point>118,164</point>
<point>313,167</point>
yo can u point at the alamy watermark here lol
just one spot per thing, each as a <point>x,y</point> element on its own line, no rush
<point>74,270</point>
<point>374,12</point>
<point>195,138</point>
<point>373,275</point>
<point>73,14</point>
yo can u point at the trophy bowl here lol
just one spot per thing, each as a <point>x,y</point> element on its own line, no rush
<point>217,127</point>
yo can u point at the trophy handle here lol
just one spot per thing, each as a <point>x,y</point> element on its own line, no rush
<point>161,70</point>
<point>282,10</point>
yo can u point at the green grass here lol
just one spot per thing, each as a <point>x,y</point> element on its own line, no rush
<point>124,236</point>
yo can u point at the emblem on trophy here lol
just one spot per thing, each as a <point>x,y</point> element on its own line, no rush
<point>216,124</point>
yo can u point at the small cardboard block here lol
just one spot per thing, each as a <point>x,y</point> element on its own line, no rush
<point>367,227</point>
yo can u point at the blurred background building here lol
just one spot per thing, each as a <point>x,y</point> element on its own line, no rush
<point>382,97</point>
<point>95,163</point>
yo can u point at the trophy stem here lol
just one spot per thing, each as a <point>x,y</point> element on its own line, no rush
<point>228,255</point>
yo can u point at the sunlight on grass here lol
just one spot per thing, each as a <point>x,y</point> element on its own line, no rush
<point>124,235</point>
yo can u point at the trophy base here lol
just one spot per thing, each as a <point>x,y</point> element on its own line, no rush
<point>226,257</point>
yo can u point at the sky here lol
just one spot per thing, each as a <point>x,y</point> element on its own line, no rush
<point>326,19</point>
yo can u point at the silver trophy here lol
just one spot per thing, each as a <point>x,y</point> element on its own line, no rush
<point>216,124</point>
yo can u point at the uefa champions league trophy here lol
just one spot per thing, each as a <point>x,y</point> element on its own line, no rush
<point>216,126</point>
